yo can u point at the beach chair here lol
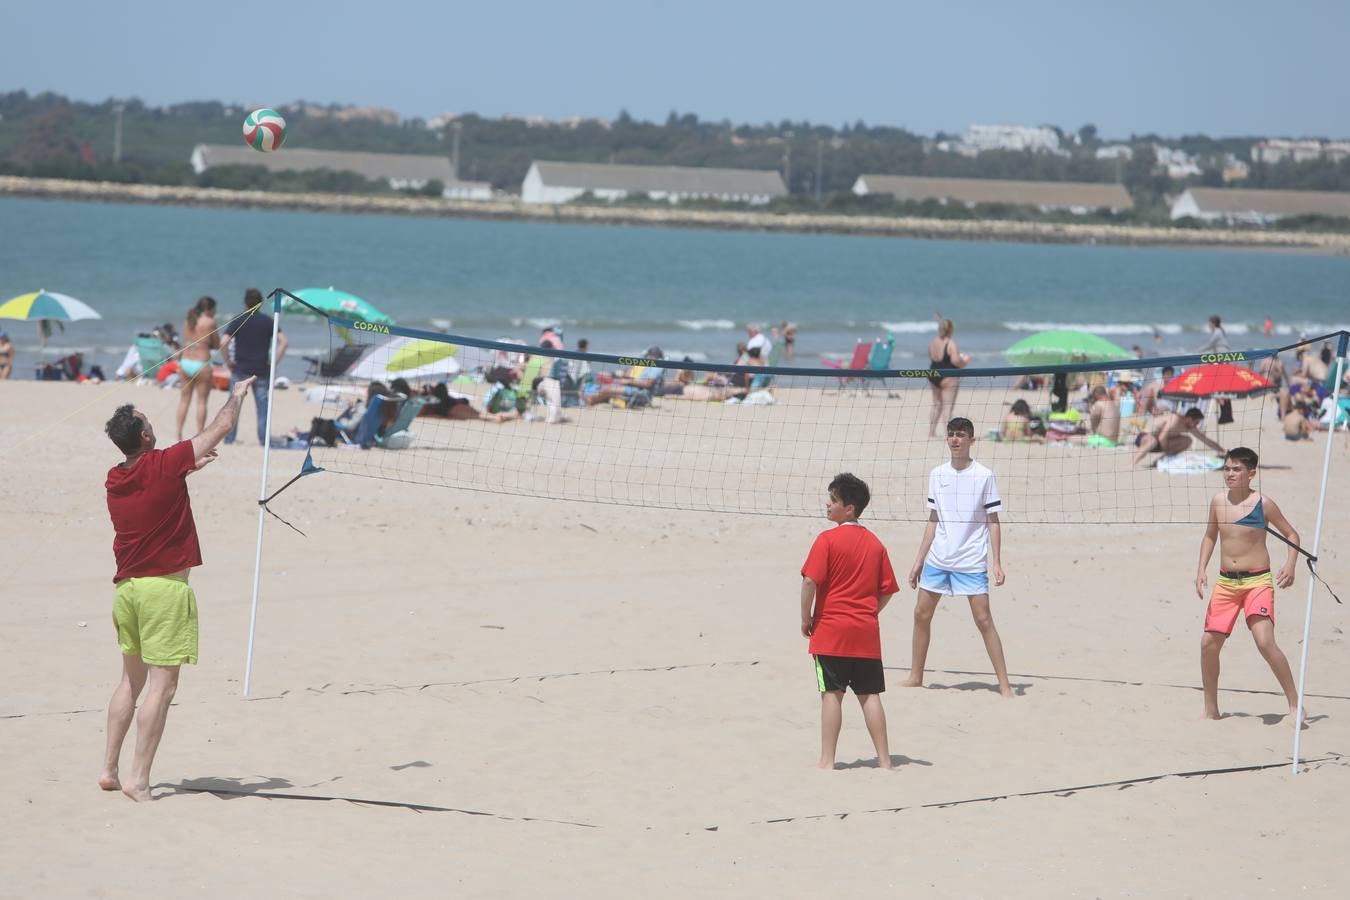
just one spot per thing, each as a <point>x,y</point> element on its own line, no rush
<point>153,352</point>
<point>879,360</point>
<point>861,351</point>
<point>338,364</point>
<point>368,431</point>
<point>398,436</point>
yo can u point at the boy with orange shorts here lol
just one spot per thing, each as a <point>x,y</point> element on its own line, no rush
<point>1238,517</point>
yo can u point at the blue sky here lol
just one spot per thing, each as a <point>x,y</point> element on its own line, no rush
<point>1188,66</point>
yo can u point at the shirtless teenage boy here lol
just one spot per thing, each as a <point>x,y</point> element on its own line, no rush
<point>1237,521</point>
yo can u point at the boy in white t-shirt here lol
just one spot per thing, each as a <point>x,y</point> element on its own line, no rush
<point>960,545</point>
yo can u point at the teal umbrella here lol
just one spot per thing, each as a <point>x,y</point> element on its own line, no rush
<point>1053,348</point>
<point>338,303</point>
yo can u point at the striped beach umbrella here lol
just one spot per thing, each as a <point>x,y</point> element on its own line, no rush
<point>46,305</point>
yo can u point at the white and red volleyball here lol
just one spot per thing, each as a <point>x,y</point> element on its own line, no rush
<point>265,130</point>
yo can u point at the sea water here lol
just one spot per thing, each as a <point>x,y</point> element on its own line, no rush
<point>691,292</point>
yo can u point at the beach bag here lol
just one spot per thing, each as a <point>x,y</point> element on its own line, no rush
<point>503,400</point>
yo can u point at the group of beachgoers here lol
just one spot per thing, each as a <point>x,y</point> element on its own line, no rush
<point>847,581</point>
<point>214,350</point>
<point>1097,408</point>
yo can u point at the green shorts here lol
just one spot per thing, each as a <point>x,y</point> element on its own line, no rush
<point>156,619</point>
<point>1100,440</point>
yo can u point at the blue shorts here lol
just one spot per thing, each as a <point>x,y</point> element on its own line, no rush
<point>940,581</point>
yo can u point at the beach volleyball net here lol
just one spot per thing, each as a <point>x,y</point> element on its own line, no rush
<point>1069,443</point>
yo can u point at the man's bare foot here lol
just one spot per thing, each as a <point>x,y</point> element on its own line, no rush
<point>825,766</point>
<point>884,764</point>
<point>1006,692</point>
<point>139,794</point>
<point>1213,714</point>
<point>108,780</point>
<point>912,682</point>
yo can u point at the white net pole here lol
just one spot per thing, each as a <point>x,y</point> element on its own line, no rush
<point>262,489</point>
<point>1316,545</point>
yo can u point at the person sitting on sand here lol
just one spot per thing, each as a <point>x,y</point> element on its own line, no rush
<point>1104,417</point>
<point>502,399</point>
<point>1171,434</point>
<point>1149,401</point>
<point>1297,426</point>
<point>1020,425</point>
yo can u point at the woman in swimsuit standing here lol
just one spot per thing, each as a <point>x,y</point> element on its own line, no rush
<point>944,354</point>
<point>199,339</point>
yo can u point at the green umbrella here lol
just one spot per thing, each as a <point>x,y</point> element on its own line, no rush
<point>1053,348</point>
<point>337,302</point>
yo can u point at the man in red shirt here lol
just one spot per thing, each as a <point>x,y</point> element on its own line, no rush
<point>154,609</point>
<point>847,576</point>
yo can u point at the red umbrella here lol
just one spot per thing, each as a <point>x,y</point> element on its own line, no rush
<point>1223,380</point>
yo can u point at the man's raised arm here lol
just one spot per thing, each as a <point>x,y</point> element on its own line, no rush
<point>225,420</point>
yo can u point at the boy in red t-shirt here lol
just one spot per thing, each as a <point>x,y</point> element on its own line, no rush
<point>847,576</point>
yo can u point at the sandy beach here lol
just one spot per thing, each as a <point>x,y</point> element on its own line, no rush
<point>473,694</point>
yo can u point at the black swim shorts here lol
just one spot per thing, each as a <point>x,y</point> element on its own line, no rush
<point>835,673</point>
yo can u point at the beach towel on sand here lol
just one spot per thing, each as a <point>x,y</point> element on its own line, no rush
<point>1192,462</point>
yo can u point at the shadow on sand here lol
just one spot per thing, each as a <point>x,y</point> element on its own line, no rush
<point>1019,689</point>
<point>896,760</point>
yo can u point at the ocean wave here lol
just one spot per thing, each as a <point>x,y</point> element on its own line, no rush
<point>907,327</point>
<point>1097,327</point>
<point>540,322</point>
<point>706,324</point>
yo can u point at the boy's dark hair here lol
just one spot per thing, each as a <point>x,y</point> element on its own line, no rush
<point>252,297</point>
<point>851,490</point>
<point>125,429</point>
<point>962,425</point>
<point>1195,413</point>
<point>1169,370</point>
<point>1244,455</point>
<point>583,345</point>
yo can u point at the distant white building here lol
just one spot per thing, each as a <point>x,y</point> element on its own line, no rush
<point>561,182</point>
<point>402,171</point>
<point>1176,163</point>
<point>1012,137</point>
<point>1255,207</point>
<point>1274,151</point>
<point>1076,197</point>
<point>1278,150</point>
<point>1116,151</point>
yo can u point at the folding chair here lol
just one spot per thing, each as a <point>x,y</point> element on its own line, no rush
<point>153,352</point>
<point>879,360</point>
<point>338,364</point>
<point>861,351</point>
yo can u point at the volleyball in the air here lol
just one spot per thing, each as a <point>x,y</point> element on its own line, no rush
<point>264,130</point>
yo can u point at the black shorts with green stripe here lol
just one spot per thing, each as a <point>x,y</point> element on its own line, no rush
<point>835,673</point>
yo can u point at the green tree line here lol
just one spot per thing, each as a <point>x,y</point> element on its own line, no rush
<point>49,135</point>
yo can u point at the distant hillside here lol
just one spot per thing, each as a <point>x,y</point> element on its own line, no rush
<point>48,135</point>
